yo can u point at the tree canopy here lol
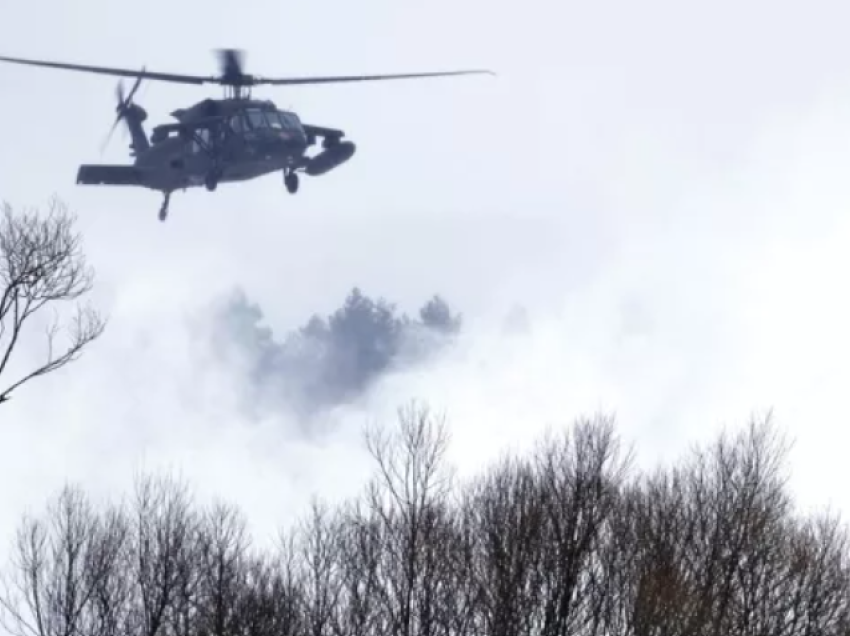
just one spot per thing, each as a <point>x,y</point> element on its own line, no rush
<point>569,540</point>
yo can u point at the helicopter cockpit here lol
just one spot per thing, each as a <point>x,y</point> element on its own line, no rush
<point>258,119</point>
<point>259,122</point>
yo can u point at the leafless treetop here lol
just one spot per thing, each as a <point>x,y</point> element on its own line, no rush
<point>568,541</point>
<point>42,267</point>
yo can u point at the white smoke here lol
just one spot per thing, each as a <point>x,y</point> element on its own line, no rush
<point>672,215</point>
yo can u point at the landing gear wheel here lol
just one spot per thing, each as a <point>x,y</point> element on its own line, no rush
<point>290,180</point>
<point>211,181</point>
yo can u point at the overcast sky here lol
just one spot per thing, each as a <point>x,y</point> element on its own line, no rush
<point>663,185</point>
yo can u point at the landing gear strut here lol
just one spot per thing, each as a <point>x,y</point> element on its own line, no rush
<point>163,211</point>
<point>290,180</point>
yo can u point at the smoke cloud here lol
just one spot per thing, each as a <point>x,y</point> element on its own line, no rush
<point>665,200</point>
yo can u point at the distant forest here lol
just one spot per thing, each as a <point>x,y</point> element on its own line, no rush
<point>333,359</point>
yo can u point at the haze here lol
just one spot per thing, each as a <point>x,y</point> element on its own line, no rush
<point>663,188</point>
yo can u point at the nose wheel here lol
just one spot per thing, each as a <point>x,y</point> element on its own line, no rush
<point>290,180</point>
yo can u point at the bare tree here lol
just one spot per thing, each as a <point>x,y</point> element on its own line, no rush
<point>64,571</point>
<point>271,599</point>
<point>221,562</point>
<point>163,570</point>
<point>580,473</point>
<point>158,567</point>
<point>506,516</point>
<point>712,546</point>
<point>735,505</point>
<point>320,572</point>
<point>361,549</point>
<point>42,267</point>
<point>645,559</point>
<point>815,579</point>
<point>409,509</point>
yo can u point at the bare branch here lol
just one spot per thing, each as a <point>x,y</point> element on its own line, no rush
<point>42,266</point>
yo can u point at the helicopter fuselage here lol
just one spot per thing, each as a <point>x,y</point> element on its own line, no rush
<point>185,160</point>
<point>221,141</point>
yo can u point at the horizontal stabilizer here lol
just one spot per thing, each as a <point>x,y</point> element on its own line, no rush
<point>110,175</point>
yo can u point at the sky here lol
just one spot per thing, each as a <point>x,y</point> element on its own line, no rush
<point>662,186</point>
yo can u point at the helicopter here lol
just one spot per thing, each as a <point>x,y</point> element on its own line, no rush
<point>232,139</point>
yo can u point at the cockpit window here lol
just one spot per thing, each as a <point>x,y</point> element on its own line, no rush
<point>257,120</point>
<point>290,120</point>
<point>237,123</point>
<point>275,120</point>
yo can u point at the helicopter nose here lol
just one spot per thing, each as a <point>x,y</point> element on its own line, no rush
<point>288,138</point>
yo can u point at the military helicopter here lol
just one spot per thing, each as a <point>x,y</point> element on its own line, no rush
<point>215,141</point>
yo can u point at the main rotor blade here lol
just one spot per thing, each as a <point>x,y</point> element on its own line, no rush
<point>232,73</point>
<point>121,72</point>
<point>363,78</point>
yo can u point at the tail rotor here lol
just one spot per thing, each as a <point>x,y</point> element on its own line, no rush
<point>125,105</point>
